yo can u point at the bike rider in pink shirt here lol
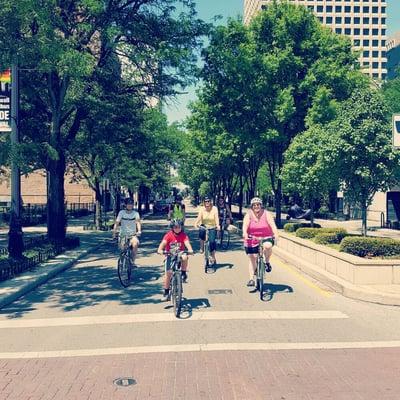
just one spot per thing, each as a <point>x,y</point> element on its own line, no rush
<point>258,223</point>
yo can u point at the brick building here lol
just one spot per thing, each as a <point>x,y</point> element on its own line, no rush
<point>33,190</point>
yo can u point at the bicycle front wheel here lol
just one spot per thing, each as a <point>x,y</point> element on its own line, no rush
<point>206,257</point>
<point>260,277</point>
<point>124,270</point>
<point>177,294</point>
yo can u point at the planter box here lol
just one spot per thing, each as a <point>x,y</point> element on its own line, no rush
<point>356,270</point>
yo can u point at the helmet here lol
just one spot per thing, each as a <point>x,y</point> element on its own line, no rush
<point>255,200</point>
<point>128,200</point>
<point>176,222</point>
<point>206,198</point>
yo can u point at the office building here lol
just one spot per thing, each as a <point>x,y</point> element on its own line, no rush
<point>364,21</point>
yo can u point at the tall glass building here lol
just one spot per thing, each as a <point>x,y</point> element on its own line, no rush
<point>363,20</point>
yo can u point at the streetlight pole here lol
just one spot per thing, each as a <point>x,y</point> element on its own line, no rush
<point>15,240</point>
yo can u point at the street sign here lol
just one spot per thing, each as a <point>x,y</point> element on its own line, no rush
<point>396,131</point>
<point>5,101</point>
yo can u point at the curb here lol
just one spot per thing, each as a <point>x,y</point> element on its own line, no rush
<point>46,276</point>
<point>337,284</point>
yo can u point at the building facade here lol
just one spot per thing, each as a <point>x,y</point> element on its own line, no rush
<point>364,21</point>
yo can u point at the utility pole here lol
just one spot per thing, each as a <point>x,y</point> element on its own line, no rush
<point>15,238</point>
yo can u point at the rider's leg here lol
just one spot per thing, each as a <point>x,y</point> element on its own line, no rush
<point>167,278</point>
<point>184,267</point>
<point>212,235</point>
<point>252,265</point>
<point>267,247</point>
<point>134,244</point>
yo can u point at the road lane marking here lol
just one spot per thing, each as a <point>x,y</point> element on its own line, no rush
<point>200,347</point>
<point>169,317</point>
<point>307,281</point>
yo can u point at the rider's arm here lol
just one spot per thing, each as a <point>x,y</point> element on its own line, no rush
<point>138,227</point>
<point>271,222</point>
<point>199,218</point>
<point>216,218</point>
<point>161,247</point>
<point>116,224</point>
<point>188,245</point>
<point>245,226</point>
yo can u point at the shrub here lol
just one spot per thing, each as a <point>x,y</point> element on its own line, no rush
<point>293,226</point>
<point>327,238</point>
<point>309,233</point>
<point>370,246</point>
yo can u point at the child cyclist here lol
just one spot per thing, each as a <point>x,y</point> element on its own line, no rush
<point>175,235</point>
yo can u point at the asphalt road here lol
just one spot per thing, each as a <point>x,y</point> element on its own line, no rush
<point>74,336</point>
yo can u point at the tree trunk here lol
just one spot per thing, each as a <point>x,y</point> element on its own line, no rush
<point>364,219</point>
<point>98,202</point>
<point>56,218</point>
<point>312,205</point>
<point>278,203</point>
<point>241,186</point>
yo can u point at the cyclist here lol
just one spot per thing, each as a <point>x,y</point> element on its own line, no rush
<point>131,227</point>
<point>257,223</point>
<point>175,235</point>
<point>208,218</point>
<point>224,213</point>
<point>177,210</point>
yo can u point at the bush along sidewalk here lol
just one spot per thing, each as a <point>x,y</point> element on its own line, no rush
<point>361,246</point>
<point>32,257</point>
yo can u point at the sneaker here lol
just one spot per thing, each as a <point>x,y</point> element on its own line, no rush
<point>165,296</point>
<point>184,277</point>
<point>268,267</point>
<point>251,283</point>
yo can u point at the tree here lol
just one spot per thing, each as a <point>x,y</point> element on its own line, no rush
<point>391,92</point>
<point>306,170</point>
<point>68,44</point>
<point>360,149</point>
<point>262,80</point>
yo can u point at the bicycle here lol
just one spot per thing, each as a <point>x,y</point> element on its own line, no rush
<point>224,236</point>
<point>260,269</point>
<point>125,265</point>
<point>176,282</point>
<point>208,260</point>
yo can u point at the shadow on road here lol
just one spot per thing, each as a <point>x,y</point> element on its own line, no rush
<point>270,289</point>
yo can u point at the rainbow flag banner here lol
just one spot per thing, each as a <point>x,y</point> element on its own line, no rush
<point>5,76</point>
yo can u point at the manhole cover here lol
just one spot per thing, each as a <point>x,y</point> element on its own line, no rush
<point>220,291</point>
<point>124,382</point>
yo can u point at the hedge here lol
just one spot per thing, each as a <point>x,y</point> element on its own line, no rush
<point>293,226</point>
<point>328,238</point>
<point>370,246</point>
<point>310,233</point>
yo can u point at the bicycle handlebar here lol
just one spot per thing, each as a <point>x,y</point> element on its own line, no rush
<point>168,253</point>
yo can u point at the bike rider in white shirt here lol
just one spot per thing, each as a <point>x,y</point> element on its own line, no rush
<point>131,227</point>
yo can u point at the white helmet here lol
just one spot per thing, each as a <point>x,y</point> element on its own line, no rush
<point>255,200</point>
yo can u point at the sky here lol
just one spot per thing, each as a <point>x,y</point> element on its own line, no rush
<point>208,9</point>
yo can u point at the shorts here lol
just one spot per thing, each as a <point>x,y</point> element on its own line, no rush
<point>212,235</point>
<point>253,249</point>
<point>124,240</point>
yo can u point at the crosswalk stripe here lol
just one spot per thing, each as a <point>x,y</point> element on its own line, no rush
<point>200,347</point>
<point>169,317</point>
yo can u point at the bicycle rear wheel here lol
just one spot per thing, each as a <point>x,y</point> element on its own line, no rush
<point>176,294</point>
<point>124,270</point>
<point>225,239</point>
<point>260,277</point>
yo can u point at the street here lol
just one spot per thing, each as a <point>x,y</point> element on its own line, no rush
<point>74,336</point>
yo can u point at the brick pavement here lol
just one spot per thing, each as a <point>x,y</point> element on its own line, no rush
<point>344,374</point>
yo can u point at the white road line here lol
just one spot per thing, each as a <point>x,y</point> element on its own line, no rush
<point>199,347</point>
<point>169,317</point>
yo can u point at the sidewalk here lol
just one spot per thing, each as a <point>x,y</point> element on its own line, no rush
<point>379,294</point>
<point>12,289</point>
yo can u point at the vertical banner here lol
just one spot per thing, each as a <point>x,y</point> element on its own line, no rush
<point>5,101</point>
